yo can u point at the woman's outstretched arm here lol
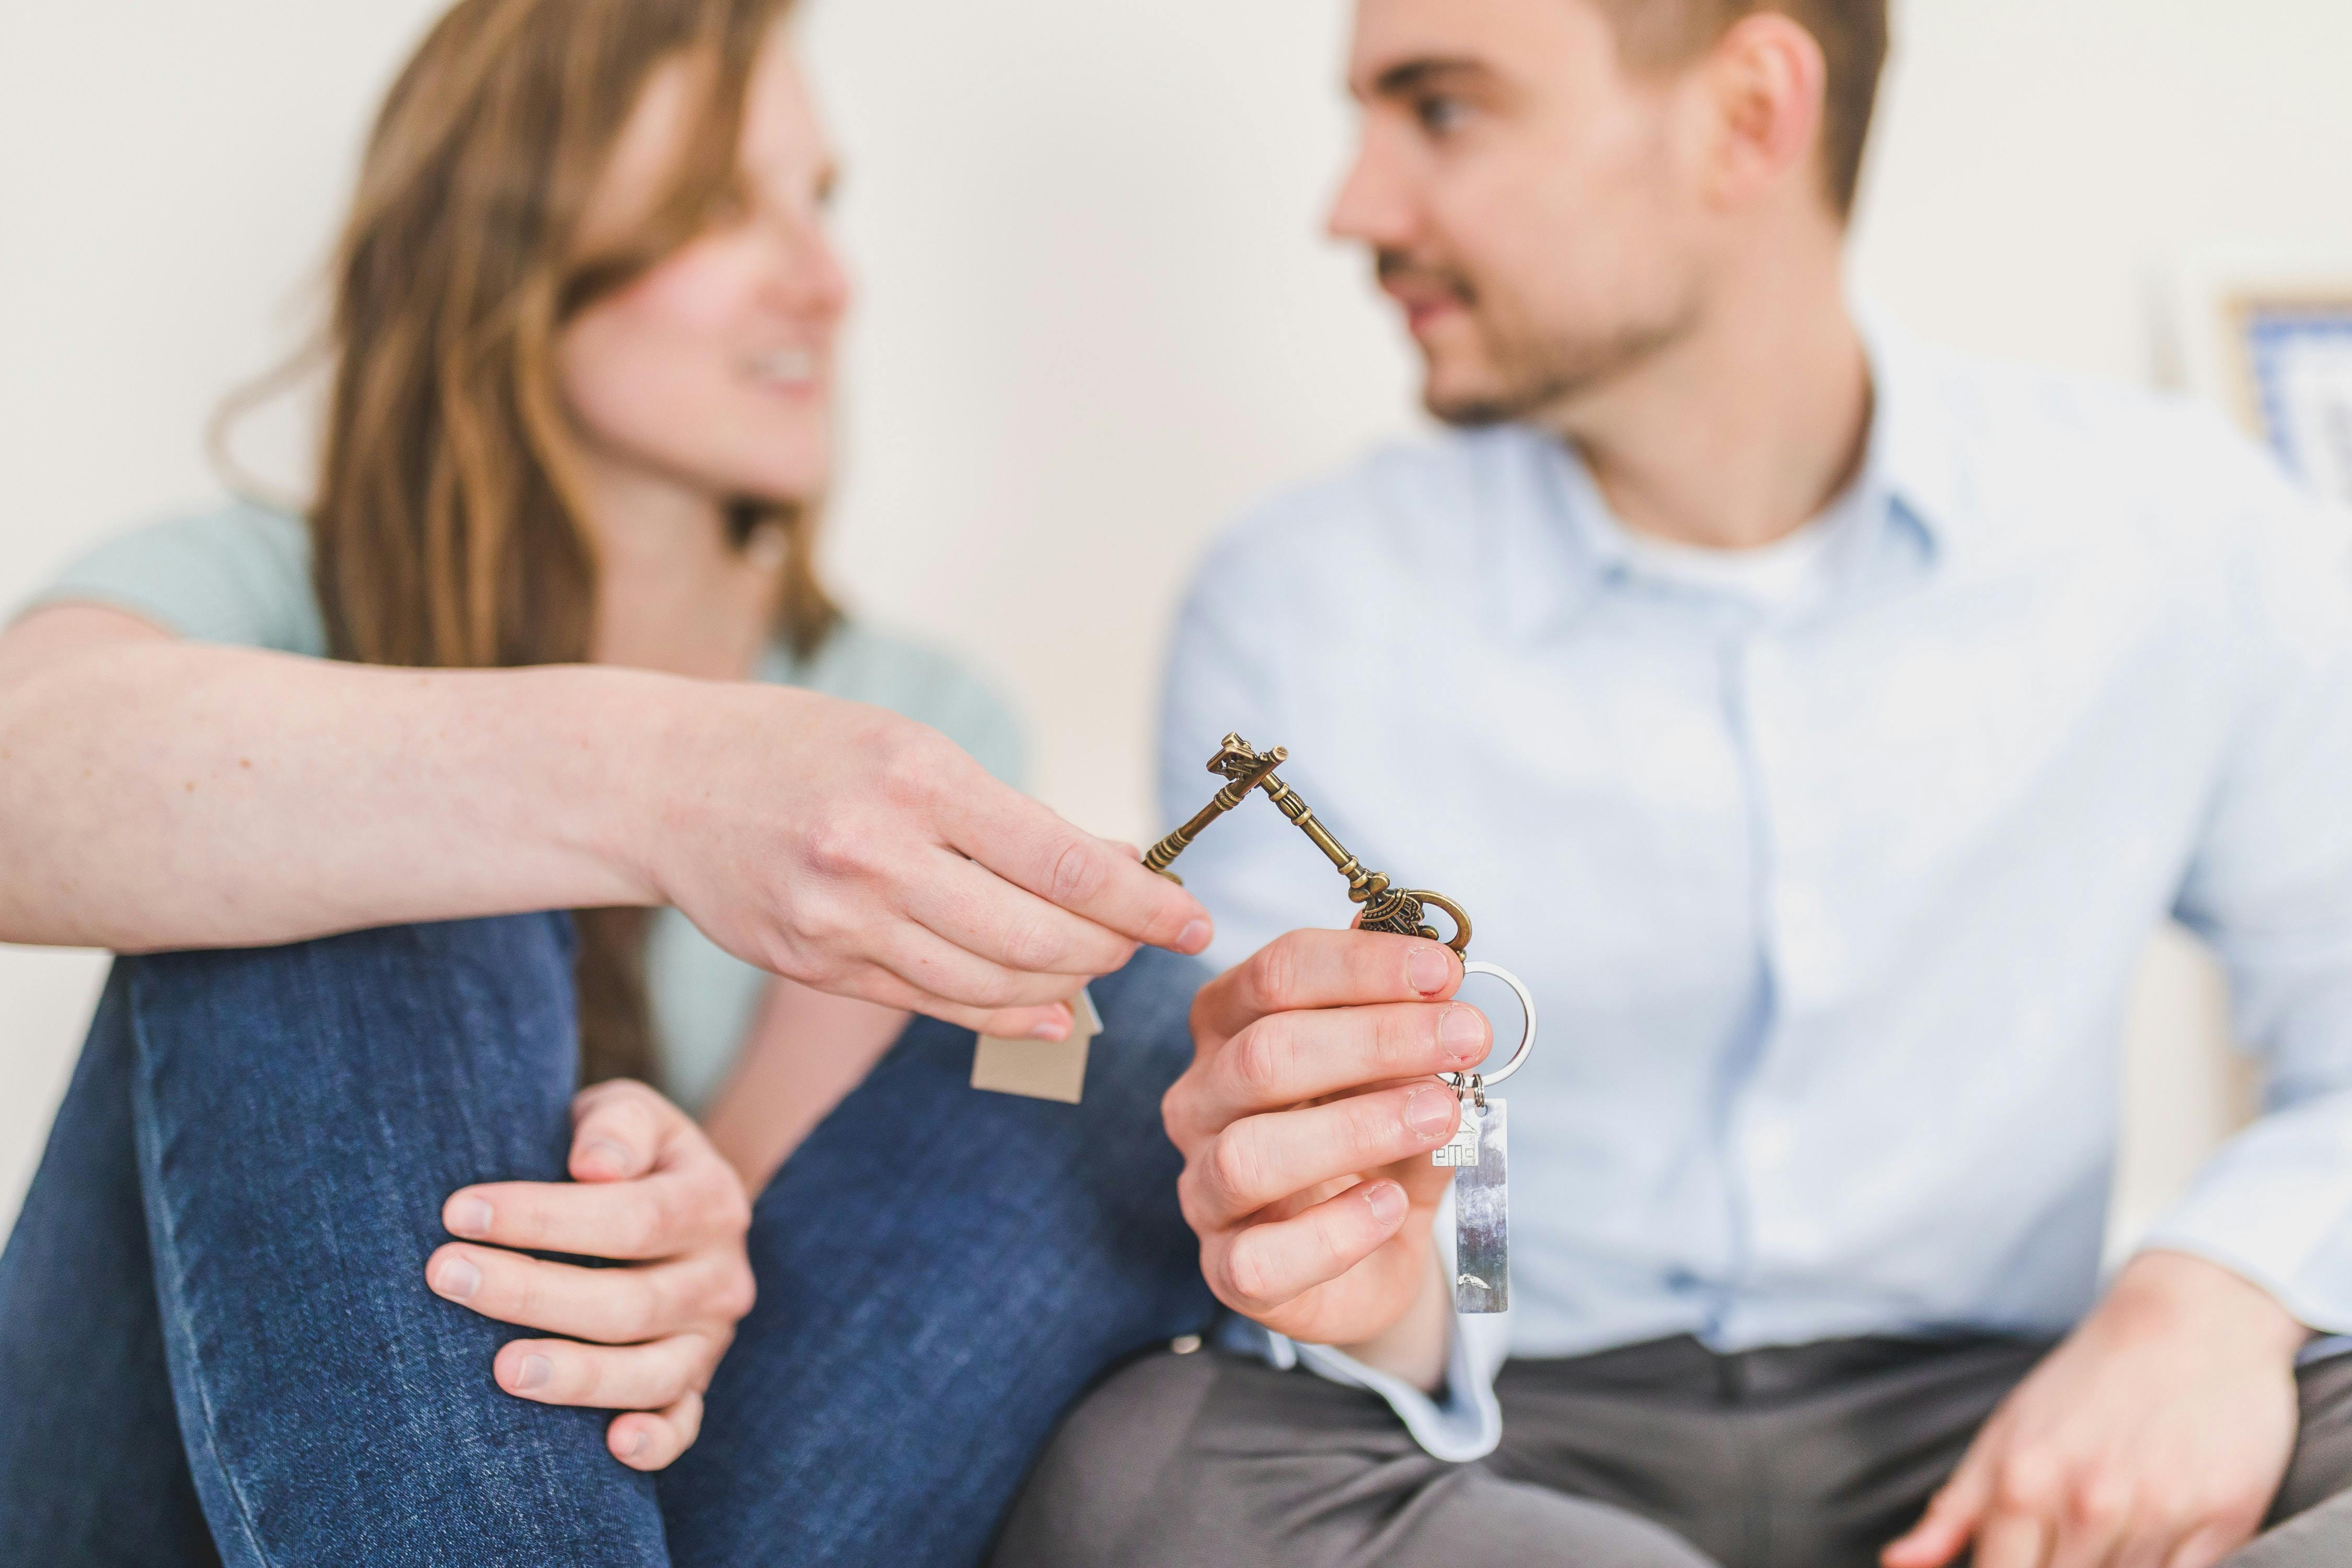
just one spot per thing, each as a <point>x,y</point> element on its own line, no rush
<point>161,793</point>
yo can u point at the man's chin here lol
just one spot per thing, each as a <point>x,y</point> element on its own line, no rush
<point>1474,394</point>
<point>1476,402</point>
<point>1468,408</point>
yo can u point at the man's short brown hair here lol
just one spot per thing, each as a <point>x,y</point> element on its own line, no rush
<point>1853,36</point>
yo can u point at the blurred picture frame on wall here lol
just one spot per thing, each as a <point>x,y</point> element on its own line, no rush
<point>2269,338</point>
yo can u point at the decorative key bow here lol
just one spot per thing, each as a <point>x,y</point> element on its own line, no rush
<point>1385,908</point>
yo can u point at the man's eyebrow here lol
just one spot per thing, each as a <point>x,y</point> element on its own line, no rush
<point>1409,77</point>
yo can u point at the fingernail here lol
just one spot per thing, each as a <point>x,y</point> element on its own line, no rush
<point>457,1278</point>
<point>1429,1111</point>
<point>1461,1032</point>
<point>1057,1027</point>
<point>1194,937</point>
<point>605,1157</point>
<point>1387,1202</point>
<point>469,1216</point>
<point>1431,970</point>
<point>533,1373</point>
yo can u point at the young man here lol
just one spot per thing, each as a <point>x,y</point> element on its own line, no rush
<point>1820,725</point>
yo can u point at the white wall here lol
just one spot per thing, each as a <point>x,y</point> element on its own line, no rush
<point>1097,316</point>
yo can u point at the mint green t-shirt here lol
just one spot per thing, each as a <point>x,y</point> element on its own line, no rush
<point>242,576</point>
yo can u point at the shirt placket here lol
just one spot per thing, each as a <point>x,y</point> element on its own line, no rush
<point>1774,1224</point>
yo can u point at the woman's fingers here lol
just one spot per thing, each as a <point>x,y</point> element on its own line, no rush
<point>971,907</point>
<point>1261,1160</point>
<point>1291,1057</point>
<point>646,1184</point>
<point>1053,1023</point>
<point>608,1377</point>
<point>611,1306</point>
<point>653,1439</point>
<point>1308,969</point>
<point>1049,1021</point>
<point>1027,845</point>
<point>941,969</point>
<point>1265,1266</point>
<point>618,1130</point>
<point>660,1215</point>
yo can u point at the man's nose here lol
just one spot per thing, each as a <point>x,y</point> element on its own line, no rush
<point>1370,208</point>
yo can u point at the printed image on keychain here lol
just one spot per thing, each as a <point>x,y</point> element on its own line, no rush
<point>1479,1151</point>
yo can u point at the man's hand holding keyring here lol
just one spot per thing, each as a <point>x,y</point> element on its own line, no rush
<point>1331,1101</point>
<point>1307,1121</point>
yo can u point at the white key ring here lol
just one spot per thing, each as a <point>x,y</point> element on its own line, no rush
<point>1460,1082</point>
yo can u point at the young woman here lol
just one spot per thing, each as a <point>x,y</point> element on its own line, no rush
<point>550,638</point>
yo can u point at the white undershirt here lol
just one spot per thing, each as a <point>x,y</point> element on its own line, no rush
<point>1775,575</point>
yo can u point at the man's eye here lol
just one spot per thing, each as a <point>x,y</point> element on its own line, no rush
<point>1439,116</point>
<point>729,205</point>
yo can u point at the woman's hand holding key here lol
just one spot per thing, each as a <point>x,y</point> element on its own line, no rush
<point>862,854</point>
<point>1307,1120</point>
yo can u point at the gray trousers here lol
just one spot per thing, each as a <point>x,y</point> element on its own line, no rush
<point>1656,1455</point>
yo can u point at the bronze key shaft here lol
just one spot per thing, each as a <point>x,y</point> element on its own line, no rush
<point>1385,908</point>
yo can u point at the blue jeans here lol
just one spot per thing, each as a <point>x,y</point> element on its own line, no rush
<point>216,1344</point>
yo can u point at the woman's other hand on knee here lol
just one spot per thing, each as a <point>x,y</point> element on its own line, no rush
<point>650,1193</point>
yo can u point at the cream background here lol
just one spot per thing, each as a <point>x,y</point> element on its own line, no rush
<point>1097,316</point>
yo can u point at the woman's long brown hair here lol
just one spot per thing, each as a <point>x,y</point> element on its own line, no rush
<point>445,527</point>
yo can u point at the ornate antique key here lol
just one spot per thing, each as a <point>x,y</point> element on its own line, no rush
<point>1479,1151</point>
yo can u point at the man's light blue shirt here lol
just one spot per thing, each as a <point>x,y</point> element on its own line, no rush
<point>1831,896</point>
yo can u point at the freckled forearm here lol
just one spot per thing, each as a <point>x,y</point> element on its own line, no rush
<point>156,794</point>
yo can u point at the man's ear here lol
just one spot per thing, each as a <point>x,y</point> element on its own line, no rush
<point>1768,81</point>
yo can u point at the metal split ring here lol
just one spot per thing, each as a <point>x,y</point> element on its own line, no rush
<point>1482,1081</point>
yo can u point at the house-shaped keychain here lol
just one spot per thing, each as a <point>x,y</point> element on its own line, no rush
<point>1040,1069</point>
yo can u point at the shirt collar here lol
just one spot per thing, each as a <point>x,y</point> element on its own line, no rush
<point>1910,480</point>
<point>1911,458</point>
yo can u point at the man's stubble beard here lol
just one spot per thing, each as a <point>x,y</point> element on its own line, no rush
<point>1540,376</point>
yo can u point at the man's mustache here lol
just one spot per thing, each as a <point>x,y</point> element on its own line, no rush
<point>1396,269</point>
